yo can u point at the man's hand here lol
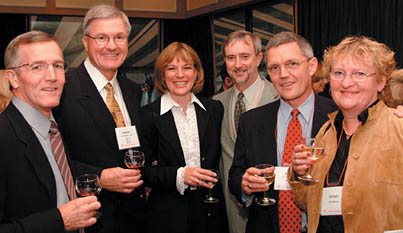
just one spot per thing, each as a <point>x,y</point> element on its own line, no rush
<point>252,182</point>
<point>121,180</point>
<point>300,160</point>
<point>79,213</point>
<point>198,177</point>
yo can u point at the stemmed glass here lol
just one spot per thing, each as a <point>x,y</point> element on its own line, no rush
<point>268,173</point>
<point>134,159</point>
<point>209,198</point>
<point>88,185</point>
<point>316,148</point>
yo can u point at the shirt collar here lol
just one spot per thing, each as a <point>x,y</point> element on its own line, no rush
<point>363,116</point>
<point>39,122</point>
<point>305,108</point>
<point>250,92</point>
<point>167,103</point>
<point>97,77</point>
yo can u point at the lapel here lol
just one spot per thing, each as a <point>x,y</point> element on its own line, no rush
<point>320,114</point>
<point>202,120</point>
<point>227,121</point>
<point>96,108</point>
<point>131,98</point>
<point>33,151</point>
<point>267,134</point>
<point>166,127</point>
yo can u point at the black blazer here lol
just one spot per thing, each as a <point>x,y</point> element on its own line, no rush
<point>256,143</point>
<point>168,210</point>
<point>27,184</point>
<point>88,129</point>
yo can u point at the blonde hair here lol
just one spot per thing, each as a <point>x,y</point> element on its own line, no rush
<point>184,52</point>
<point>393,92</point>
<point>361,48</point>
<point>319,74</point>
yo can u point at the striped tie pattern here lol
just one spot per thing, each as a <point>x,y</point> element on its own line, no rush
<point>61,160</point>
<point>288,211</point>
<point>113,107</point>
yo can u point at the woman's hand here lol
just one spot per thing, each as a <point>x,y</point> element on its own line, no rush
<point>197,177</point>
<point>300,160</point>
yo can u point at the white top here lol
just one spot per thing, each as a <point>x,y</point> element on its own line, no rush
<point>100,82</point>
<point>188,132</point>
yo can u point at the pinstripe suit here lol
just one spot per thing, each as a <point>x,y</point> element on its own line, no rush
<point>237,216</point>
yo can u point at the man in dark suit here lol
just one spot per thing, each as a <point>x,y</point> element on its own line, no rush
<point>262,131</point>
<point>36,188</point>
<point>88,120</point>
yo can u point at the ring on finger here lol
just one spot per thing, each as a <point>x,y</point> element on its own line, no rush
<point>250,186</point>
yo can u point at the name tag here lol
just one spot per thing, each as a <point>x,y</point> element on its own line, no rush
<point>331,201</point>
<point>281,181</point>
<point>127,137</point>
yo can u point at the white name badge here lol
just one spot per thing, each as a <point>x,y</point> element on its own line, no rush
<point>281,181</point>
<point>127,137</point>
<point>331,201</point>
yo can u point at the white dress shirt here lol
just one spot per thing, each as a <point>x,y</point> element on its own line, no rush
<point>100,82</point>
<point>188,132</point>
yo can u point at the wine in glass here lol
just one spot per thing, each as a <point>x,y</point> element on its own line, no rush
<point>209,198</point>
<point>134,159</point>
<point>88,185</point>
<point>267,172</point>
<point>316,149</point>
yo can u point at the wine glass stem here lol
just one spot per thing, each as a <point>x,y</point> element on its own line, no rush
<point>265,195</point>
<point>309,171</point>
<point>209,193</point>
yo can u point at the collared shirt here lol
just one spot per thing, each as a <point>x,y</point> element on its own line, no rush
<point>40,124</point>
<point>100,82</point>
<point>252,96</point>
<point>283,119</point>
<point>188,132</point>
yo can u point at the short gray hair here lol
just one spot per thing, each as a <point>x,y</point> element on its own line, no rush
<point>104,11</point>
<point>289,37</point>
<point>243,35</point>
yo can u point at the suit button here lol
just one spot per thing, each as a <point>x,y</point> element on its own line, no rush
<point>141,195</point>
<point>203,158</point>
<point>209,214</point>
<point>356,156</point>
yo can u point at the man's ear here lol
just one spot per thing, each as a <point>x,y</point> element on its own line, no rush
<point>12,78</point>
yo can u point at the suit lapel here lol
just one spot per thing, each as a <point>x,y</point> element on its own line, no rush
<point>96,107</point>
<point>165,125</point>
<point>34,151</point>
<point>202,121</point>
<point>228,119</point>
<point>319,116</point>
<point>132,101</point>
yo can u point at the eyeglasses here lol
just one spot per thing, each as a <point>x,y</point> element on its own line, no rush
<point>289,66</point>
<point>42,67</point>
<point>102,40</point>
<point>356,76</point>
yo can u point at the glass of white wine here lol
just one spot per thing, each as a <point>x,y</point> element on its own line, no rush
<point>88,185</point>
<point>134,159</point>
<point>267,172</point>
<point>209,198</point>
<point>316,149</point>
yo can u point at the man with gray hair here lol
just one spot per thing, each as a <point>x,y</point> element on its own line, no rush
<point>265,135</point>
<point>100,107</point>
<point>242,54</point>
<point>37,191</point>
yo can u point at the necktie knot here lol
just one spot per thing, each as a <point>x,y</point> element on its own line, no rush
<point>295,113</point>
<point>240,96</point>
<point>53,128</point>
<point>109,87</point>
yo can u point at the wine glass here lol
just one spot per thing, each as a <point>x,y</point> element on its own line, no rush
<point>268,173</point>
<point>209,198</point>
<point>316,148</point>
<point>88,185</point>
<point>134,159</point>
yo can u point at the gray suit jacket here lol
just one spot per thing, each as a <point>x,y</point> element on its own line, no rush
<point>237,215</point>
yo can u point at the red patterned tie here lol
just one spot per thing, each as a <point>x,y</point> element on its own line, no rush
<point>289,213</point>
<point>61,160</point>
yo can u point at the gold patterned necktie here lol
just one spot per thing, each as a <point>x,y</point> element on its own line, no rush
<point>113,107</point>
<point>239,109</point>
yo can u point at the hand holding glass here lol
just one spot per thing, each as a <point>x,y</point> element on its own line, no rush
<point>88,185</point>
<point>134,159</point>
<point>315,148</point>
<point>267,172</point>
<point>209,198</point>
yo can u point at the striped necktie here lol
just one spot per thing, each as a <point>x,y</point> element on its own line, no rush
<point>113,107</point>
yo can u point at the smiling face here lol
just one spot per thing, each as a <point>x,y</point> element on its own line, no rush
<point>179,77</point>
<point>319,85</point>
<point>41,91</point>
<point>294,86</point>
<point>351,96</point>
<point>107,58</point>
<point>242,62</point>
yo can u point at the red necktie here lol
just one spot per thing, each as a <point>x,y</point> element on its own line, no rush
<point>288,212</point>
<point>61,160</point>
